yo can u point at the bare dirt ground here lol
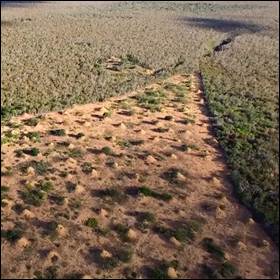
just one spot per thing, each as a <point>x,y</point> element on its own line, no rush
<point>134,187</point>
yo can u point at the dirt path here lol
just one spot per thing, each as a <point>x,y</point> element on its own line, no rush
<point>132,187</point>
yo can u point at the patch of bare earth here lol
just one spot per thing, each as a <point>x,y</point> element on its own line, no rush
<point>132,187</point>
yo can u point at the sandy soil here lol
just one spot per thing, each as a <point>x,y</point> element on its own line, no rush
<point>171,152</point>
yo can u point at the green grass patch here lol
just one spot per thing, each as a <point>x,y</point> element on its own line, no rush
<point>151,100</point>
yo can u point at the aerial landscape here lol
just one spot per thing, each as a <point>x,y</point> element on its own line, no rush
<point>139,140</point>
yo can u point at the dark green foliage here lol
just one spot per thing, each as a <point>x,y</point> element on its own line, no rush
<point>124,254</point>
<point>45,186</point>
<point>37,194</point>
<point>57,199</point>
<point>124,143</point>
<point>32,121</point>
<point>7,172</point>
<point>18,208</point>
<point>31,151</point>
<point>12,235</point>
<point>70,186</point>
<point>224,270</point>
<point>4,194</point>
<point>132,59</point>
<point>228,270</point>
<point>168,118</point>
<point>34,197</point>
<point>75,153</point>
<point>34,136</point>
<point>161,129</point>
<point>122,231</point>
<point>50,272</point>
<point>159,271</point>
<point>107,151</point>
<point>75,203</point>
<point>211,247</point>
<point>112,194</point>
<point>78,135</point>
<point>147,216</point>
<point>57,132</point>
<point>87,167</point>
<point>41,167</point>
<point>170,175</point>
<point>92,223</point>
<point>151,100</point>
<point>148,192</point>
<point>136,142</point>
<point>73,275</point>
<point>184,232</point>
<point>210,272</point>
<point>63,174</point>
<point>246,125</point>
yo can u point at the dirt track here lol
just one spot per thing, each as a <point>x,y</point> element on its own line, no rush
<point>171,152</point>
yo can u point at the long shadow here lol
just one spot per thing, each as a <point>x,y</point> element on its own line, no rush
<point>19,3</point>
<point>223,25</point>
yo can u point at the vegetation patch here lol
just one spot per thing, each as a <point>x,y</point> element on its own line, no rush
<point>50,272</point>
<point>34,136</point>
<point>75,153</point>
<point>224,270</point>
<point>57,132</point>
<point>211,247</point>
<point>246,124</point>
<point>111,194</point>
<point>40,167</point>
<point>183,232</point>
<point>149,192</point>
<point>32,121</point>
<point>4,194</point>
<point>160,270</point>
<point>29,151</point>
<point>87,167</point>
<point>35,195</point>
<point>92,223</point>
<point>151,100</point>
<point>12,235</point>
<point>118,255</point>
<point>145,219</point>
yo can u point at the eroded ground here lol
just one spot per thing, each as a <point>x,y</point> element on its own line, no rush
<point>134,187</point>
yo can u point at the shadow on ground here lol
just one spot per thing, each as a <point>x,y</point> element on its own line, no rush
<point>223,25</point>
<point>19,3</point>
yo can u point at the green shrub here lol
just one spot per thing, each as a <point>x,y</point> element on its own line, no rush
<point>211,247</point>
<point>57,132</point>
<point>148,192</point>
<point>92,223</point>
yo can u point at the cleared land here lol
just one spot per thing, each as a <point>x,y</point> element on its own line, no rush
<point>117,189</point>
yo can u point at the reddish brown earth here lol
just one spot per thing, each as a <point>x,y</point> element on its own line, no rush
<point>171,152</point>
